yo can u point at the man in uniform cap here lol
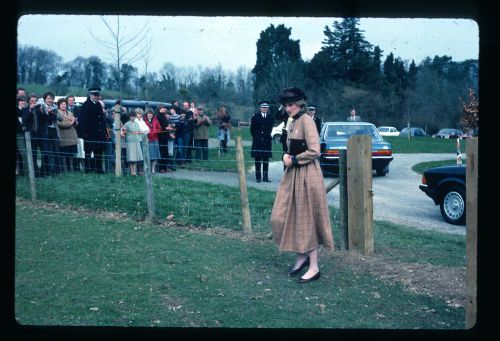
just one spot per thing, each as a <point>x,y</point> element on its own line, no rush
<point>311,110</point>
<point>94,131</point>
<point>261,125</point>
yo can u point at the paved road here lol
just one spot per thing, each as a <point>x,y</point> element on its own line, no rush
<point>397,197</point>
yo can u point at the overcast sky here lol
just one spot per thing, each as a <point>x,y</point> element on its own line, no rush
<point>231,41</point>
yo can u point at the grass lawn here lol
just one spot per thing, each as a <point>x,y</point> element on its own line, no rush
<point>88,269</point>
<point>421,167</point>
<point>218,206</point>
<point>423,144</point>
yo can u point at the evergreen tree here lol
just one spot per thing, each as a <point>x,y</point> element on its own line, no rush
<point>374,78</point>
<point>320,69</point>
<point>279,63</point>
<point>390,76</point>
<point>351,56</point>
<point>412,75</point>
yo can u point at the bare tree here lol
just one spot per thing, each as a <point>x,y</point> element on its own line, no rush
<point>146,59</point>
<point>122,49</point>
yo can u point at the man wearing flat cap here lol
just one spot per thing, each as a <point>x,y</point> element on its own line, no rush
<point>260,128</point>
<point>311,110</point>
<point>94,131</point>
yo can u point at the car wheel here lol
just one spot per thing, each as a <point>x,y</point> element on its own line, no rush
<point>277,138</point>
<point>453,205</point>
<point>382,171</point>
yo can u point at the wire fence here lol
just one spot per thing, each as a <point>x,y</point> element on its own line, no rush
<point>209,198</point>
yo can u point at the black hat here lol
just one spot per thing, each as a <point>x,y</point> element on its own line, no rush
<point>95,90</point>
<point>291,95</point>
<point>311,107</point>
<point>264,104</point>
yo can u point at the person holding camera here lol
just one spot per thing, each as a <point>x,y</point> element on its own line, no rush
<point>37,127</point>
<point>224,132</point>
<point>202,122</point>
<point>69,136</point>
<point>49,111</point>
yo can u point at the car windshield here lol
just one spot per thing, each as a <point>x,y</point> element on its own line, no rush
<point>384,129</point>
<point>347,130</point>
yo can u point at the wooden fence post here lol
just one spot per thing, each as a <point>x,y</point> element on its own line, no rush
<point>360,194</point>
<point>118,141</point>
<point>343,211</point>
<point>31,165</point>
<point>471,233</point>
<point>245,208</point>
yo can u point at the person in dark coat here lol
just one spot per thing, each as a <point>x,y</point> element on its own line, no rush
<point>261,126</point>
<point>311,110</point>
<point>36,119</point>
<point>93,121</point>
<point>20,141</point>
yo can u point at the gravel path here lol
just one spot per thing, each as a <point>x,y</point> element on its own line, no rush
<point>397,197</point>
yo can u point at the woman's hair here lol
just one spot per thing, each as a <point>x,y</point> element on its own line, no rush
<point>139,111</point>
<point>302,104</point>
<point>60,100</point>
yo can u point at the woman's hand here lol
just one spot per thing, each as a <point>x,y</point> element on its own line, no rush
<point>287,160</point>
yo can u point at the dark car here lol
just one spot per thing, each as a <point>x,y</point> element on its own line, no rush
<point>131,104</point>
<point>414,131</point>
<point>446,186</point>
<point>334,136</point>
<point>448,133</point>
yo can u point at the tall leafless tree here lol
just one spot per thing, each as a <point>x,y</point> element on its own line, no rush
<point>123,49</point>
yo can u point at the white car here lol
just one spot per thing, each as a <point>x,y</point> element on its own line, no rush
<point>276,132</point>
<point>388,131</point>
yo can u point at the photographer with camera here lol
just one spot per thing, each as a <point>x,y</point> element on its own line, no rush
<point>36,126</point>
<point>48,112</point>
<point>201,133</point>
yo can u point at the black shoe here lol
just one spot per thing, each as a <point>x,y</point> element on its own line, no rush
<point>293,272</point>
<point>267,180</point>
<point>313,278</point>
<point>258,180</point>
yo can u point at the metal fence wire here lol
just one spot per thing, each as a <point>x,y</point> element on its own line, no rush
<point>206,194</point>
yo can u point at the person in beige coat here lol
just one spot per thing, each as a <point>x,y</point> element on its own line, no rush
<point>202,122</point>
<point>300,218</point>
<point>68,136</point>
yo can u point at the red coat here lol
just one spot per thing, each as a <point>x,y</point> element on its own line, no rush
<point>154,129</point>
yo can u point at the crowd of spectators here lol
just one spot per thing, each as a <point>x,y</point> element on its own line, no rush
<point>67,137</point>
